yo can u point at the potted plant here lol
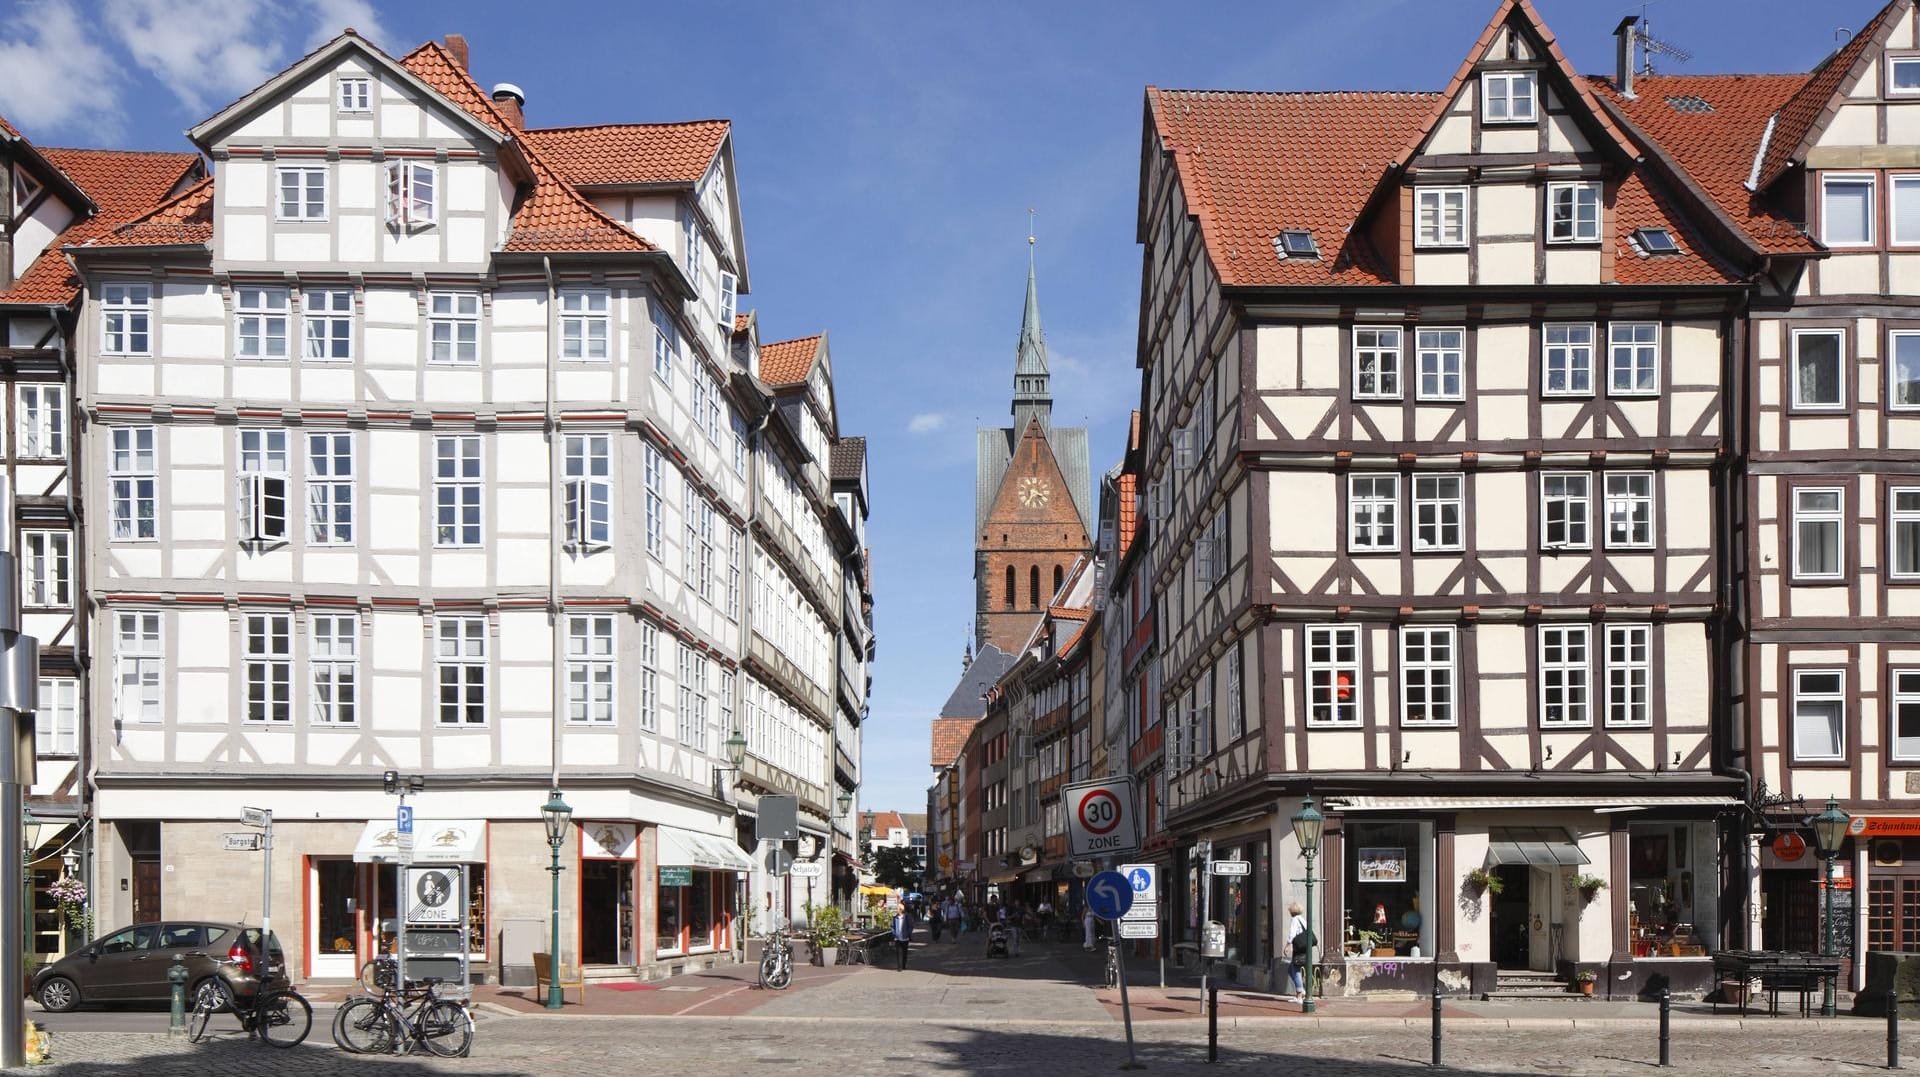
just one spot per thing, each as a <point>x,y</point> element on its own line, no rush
<point>1485,881</point>
<point>1589,886</point>
<point>829,931</point>
<point>1585,978</point>
<point>1370,943</point>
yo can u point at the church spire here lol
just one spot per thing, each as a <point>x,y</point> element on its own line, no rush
<point>1032,397</point>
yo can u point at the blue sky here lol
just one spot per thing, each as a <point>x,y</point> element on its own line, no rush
<point>888,153</point>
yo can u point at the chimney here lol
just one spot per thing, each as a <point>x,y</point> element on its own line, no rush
<point>457,44</point>
<point>512,103</point>
<point>1623,55</point>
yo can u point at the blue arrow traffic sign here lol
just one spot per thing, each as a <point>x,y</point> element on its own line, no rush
<point>1109,895</point>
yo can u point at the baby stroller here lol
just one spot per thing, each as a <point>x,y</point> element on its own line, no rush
<point>997,940</point>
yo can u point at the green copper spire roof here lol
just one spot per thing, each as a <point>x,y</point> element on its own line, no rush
<point>1032,397</point>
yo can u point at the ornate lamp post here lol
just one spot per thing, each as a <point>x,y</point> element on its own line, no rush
<point>557,816</point>
<point>1829,830</point>
<point>1307,829</point>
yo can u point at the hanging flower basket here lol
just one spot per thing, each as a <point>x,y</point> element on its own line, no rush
<point>1485,881</point>
<point>71,893</point>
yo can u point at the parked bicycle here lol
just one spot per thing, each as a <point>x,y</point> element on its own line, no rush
<point>395,1022</point>
<point>776,962</point>
<point>277,1018</point>
<point>1113,965</point>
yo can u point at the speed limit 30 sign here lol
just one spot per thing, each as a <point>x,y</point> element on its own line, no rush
<point>1101,818</point>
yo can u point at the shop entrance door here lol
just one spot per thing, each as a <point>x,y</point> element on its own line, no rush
<point>331,927</point>
<point>1509,919</point>
<point>606,912</point>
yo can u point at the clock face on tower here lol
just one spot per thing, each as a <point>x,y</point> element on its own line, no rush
<point>1032,494</point>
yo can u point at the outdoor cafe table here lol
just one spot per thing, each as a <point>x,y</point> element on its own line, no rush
<point>1774,969</point>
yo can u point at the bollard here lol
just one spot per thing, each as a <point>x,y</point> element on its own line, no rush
<point>1436,1025</point>
<point>1666,1006</point>
<point>1213,1022</point>
<point>1893,1031</point>
<point>177,1014</point>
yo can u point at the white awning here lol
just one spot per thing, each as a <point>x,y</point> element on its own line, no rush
<point>688,849</point>
<point>1547,846</point>
<point>435,841</point>
<point>1470,803</point>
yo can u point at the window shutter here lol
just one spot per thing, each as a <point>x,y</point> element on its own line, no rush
<point>396,192</point>
<point>247,524</point>
<point>574,512</point>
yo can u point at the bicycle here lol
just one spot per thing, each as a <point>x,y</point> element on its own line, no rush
<point>277,1018</point>
<point>378,1024</point>
<point>776,963</point>
<point>1113,965</point>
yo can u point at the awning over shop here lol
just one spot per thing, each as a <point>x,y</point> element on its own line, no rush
<point>1041,874</point>
<point>687,849</point>
<point>435,841</point>
<point>1471,803</point>
<point>871,890</point>
<point>1003,877</point>
<point>1547,846</point>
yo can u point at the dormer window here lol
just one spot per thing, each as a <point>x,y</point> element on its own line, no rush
<point>24,188</point>
<point>1655,241</point>
<point>1903,76</point>
<point>1295,243</point>
<point>1507,97</point>
<point>1573,213</point>
<point>1441,216</point>
<point>356,95</point>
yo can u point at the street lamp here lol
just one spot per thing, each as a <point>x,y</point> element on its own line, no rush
<point>1829,830</point>
<point>1307,829</point>
<point>556,815</point>
<point>737,749</point>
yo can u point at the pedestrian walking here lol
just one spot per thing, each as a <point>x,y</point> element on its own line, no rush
<point>1299,941</point>
<point>935,918</point>
<point>902,934</point>
<point>1011,921</point>
<point>1086,928</point>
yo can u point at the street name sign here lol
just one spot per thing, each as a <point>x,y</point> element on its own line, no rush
<point>1109,895</point>
<point>1101,818</point>
<point>1231,867</point>
<point>255,817</point>
<point>807,869</point>
<point>244,842</point>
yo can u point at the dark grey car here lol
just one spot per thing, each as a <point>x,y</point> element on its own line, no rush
<point>130,965</point>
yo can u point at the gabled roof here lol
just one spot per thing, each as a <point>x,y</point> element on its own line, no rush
<point>969,696</point>
<point>1802,116</point>
<point>186,219</point>
<point>122,185</point>
<point>788,362</point>
<point>950,736</point>
<point>631,154</point>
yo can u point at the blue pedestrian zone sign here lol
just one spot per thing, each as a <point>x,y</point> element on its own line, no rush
<point>1141,879</point>
<point>1109,895</point>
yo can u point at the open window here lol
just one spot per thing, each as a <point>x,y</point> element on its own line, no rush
<point>412,194</point>
<point>263,508</point>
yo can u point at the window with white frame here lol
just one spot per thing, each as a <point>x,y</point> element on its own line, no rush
<point>590,657</point>
<point>126,318</point>
<point>1818,513</point>
<point>1633,363</point>
<point>1565,509</point>
<point>589,491</point>
<point>1629,675</point>
<point>303,193</point>
<point>40,421</point>
<point>584,322</point>
<point>56,721</point>
<point>356,95</point>
<point>1507,97</point>
<point>739,441</point>
<point>1819,714</point>
<point>736,556</point>
<point>1903,370</point>
<point>725,694</point>
<point>729,300</point>
<point>1441,358</point>
<point>46,569</point>
<point>1906,714</point>
<point>269,667</point>
<point>649,676</point>
<point>1903,532</point>
<point>1440,216</point>
<point>1427,676</point>
<point>457,490</point>
<point>666,342</point>
<point>1573,212</point>
<point>327,316</point>
<point>1566,360</point>
<point>1236,696</point>
<point>1564,666</point>
<point>139,666</point>
<point>333,668</point>
<point>262,501</point>
<point>1629,510</point>
<point>412,195</point>
<point>130,482</point>
<point>460,659</point>
<point>330,488</point>
<point>1903,75</point>
<point>1438,505</point>
<point>691,242</point>
<point>692,716</point>
<point>1376,362</point>
<point>656,503</point>
<point>1819,373</point>
<point>1373,512</point>
<point>260,322</point>
<point>1904,210</point>
<point>453,322</point>
<point>1846,210</point>
<point>1333,675</point>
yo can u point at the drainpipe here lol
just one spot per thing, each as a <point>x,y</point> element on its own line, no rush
<point>555,521</point>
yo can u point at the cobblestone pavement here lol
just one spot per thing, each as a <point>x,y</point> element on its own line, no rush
<point>968,1044</point>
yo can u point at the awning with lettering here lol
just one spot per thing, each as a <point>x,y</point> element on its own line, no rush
<point>1616,803</point>
<point>1546,846</point>
<point>435,841</point>
<point>689,849</point>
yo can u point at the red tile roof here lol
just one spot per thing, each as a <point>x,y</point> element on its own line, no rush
<point>1640,202</point>
<point>1805,111</point>
<point>1716,149</point>
<point>123,184</point>
<point>786,362</point>
<point>631,154</point>
<point>883,821</point>
<point>1127,489</point>
<point>949,736</point>
<point>1069,613</point>
<point>11,130</point>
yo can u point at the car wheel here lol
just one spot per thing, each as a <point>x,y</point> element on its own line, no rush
<point>58,994</point>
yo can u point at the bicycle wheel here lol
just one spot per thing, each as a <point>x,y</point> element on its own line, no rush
<point>211,997</point>
<point>363,1027</point>
<point>776,970</point>
<point>447,1029</point>
<point>282,1019</point>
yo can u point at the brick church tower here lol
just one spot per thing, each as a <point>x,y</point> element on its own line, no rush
<point>1032,498</point>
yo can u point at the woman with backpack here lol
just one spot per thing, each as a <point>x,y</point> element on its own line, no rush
<point>1300,941</point>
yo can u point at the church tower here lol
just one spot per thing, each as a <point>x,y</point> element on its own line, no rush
<point>1032,497</point>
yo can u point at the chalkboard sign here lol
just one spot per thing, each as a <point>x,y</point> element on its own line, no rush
<point>1842,920</point>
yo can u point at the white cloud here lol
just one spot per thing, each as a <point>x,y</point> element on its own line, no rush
<point>57,75</point>
<point>333,16</point>
<point>207,52</point>
<point>926,422</point>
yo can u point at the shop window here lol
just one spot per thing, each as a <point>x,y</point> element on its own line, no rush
<point>1387,874</point>
<point>1660,916</point>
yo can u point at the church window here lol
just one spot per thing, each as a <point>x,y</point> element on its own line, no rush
<point>1009,586</point>
<point>1056,579</point>
<point>1033,586</point>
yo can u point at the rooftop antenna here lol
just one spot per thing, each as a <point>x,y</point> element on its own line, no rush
<point>1650,46</point>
